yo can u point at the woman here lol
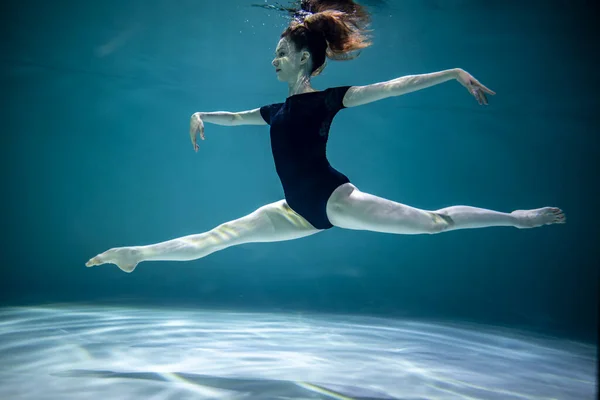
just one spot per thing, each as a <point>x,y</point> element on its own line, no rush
<point>318,197</point>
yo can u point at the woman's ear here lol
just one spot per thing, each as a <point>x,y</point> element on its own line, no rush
<point>305,57</point>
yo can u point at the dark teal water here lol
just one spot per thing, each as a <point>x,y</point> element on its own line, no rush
<point>96,104</point>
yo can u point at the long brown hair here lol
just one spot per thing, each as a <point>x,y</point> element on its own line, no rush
<point>336,29</point>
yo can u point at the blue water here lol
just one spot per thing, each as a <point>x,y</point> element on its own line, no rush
<point>96,105</point>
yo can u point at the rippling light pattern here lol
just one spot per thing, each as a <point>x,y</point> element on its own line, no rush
<point>68,352</point>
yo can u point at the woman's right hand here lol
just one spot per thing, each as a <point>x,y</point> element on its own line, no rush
<point>196,127</point>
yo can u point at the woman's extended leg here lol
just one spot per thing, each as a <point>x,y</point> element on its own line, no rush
<point>350,208</point>
<point>271,223</point>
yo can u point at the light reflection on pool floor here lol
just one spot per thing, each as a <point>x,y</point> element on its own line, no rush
<point>83,352</point>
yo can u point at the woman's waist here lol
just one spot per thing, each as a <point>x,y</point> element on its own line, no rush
<point>312,179</point>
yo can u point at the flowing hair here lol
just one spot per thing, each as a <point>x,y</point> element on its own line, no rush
<point>334,29</point>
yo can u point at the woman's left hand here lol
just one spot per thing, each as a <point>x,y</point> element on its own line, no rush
<point>474,87</point>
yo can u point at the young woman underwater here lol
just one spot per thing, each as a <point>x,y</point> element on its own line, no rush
<point>317,196</point>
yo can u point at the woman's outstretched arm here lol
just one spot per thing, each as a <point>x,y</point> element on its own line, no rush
<point>359,95</point>
<point>250,117</point>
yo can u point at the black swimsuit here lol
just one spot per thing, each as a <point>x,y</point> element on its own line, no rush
<point>299,132</point>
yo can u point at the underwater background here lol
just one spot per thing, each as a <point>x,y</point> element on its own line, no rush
<point>95,118</point>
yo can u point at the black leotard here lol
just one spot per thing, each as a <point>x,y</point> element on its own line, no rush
<point>299,132</point>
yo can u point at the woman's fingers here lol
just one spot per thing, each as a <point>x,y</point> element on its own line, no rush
<point>196,127</point>
<point>486,90</point>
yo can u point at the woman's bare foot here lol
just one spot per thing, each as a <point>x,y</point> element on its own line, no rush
<point>126,258</point>
<point>539,217</point>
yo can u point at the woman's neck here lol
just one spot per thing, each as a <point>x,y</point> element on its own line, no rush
<point>300,85</point>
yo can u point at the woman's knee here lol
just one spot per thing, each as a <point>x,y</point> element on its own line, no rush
<point>440,222</point>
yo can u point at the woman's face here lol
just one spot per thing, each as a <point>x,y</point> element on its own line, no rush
<point>288,62</point>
